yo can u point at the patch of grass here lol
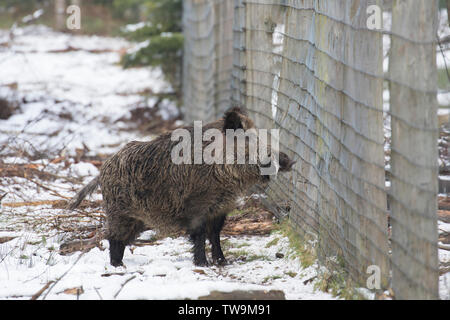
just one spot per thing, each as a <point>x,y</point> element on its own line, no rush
<point>266,279</point>
<point>248,256</point>
<point>254,257</point>
<point>242,245</point>
<point>41,242</point>
<point>237,253</point>
<point>443,82</point>
<point>51,259</point>
<point>291,274</point>
<point>272,242</point>
<point>226,244</point>
<point>299,246</point>
<point>338,282</point>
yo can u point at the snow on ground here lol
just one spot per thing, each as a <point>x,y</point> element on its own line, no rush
<point>71,93</point>
<point>88,88</point>
<point>160,271</point>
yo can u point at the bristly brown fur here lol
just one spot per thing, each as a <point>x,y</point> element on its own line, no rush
<point>142,188</point>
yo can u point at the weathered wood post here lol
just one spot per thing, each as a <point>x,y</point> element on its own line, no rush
<point>413,83</point>
<point>60,14</point>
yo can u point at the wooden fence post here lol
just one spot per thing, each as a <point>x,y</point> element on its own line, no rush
<point>414,154</point>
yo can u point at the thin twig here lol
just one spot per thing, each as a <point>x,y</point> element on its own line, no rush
<point>47,188</point>
<point>98,293</point>
<point>57,280</point>
<point>38,294</point>
<point>123,285</point>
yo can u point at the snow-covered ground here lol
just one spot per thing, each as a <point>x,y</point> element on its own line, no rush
<point>160,271</point>
<point>72,94</point>
<point>84,88</point>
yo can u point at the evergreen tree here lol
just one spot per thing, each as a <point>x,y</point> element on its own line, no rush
<point>160,36</point>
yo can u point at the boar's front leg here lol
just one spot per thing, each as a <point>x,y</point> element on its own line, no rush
<point>197,234</point>
<point>116,250</point>
<point>214,227</point>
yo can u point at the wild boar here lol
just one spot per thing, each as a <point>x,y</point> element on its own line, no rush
<point>144,189</point>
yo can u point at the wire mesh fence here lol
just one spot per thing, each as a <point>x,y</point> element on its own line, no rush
<point>208,54</point>
<point>365,182</point>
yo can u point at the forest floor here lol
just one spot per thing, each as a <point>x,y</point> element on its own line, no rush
<point>69,105</point>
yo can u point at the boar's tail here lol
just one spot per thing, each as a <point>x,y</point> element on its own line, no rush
<point>83,193</point>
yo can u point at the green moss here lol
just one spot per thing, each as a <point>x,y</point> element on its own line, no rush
<point>337,282</point>
<point>272,242</point>
<point>248,256</point>
<point>242,245</point>
<point>443,81</point>
<point>291,274</point>
<point>299,246</point>
<point>266,279</point>
<point>226,244</point>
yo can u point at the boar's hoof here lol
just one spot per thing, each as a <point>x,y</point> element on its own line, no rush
<point>220,261</point>
<point>201,262</point>
<point>117,263</point>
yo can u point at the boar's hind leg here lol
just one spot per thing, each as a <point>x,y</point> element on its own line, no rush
<point>214,227</point>
<point>121,231</point>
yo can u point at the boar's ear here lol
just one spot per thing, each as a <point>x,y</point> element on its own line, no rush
<point>233,119</point>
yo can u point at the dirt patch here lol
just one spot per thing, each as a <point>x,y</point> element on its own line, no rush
<point>255,221</point>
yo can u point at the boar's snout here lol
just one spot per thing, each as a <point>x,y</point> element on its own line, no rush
<point>285,162</point>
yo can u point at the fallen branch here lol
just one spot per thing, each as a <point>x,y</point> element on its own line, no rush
<point>38,294</point>
<point>83,244</point>
<point>444,246</point>
<point>54,203</point>
<point>6,239</point>
<point>123,285</point>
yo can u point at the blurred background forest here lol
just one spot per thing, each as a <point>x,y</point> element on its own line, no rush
<point>156,24</point>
